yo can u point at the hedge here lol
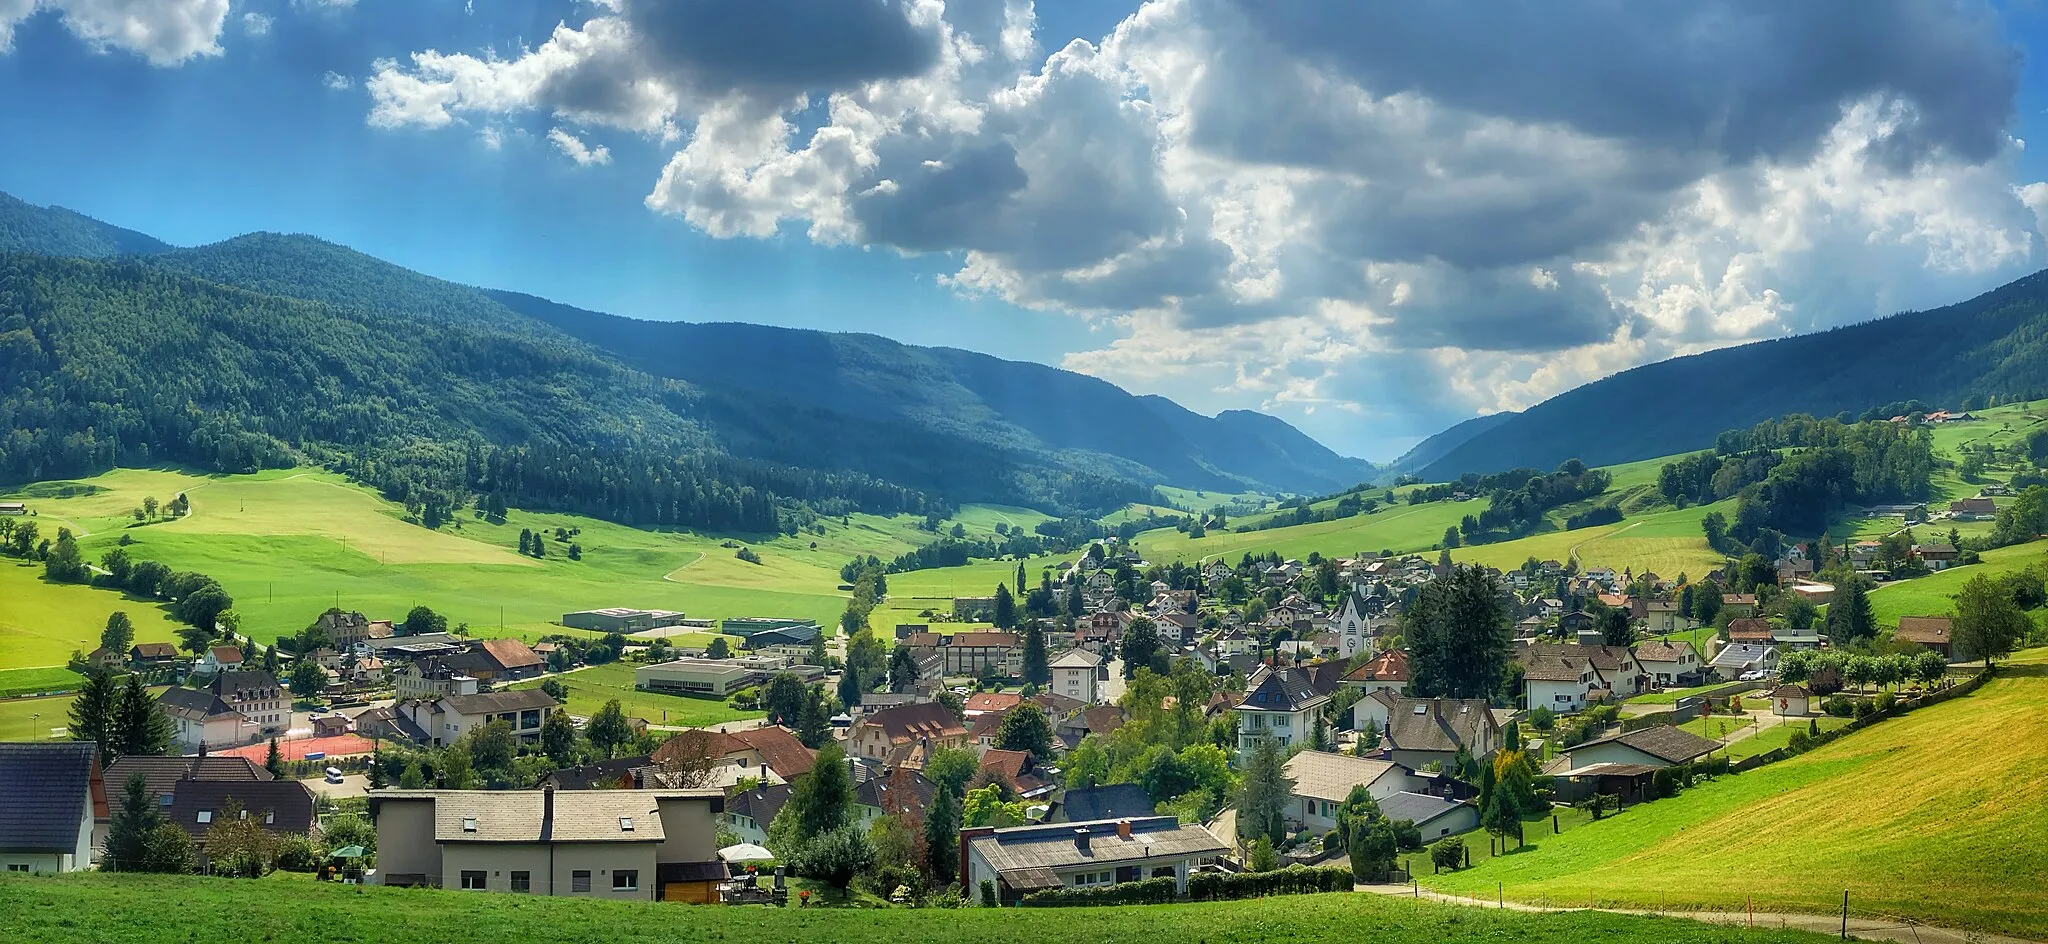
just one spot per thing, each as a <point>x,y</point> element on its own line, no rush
<point>1293,880</point>
<point>1151,891</point>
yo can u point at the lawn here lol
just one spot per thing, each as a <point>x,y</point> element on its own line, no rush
<point>1480,846</point>
<point>14,682</point>
<point>1667,542</point>
<point>30,719</point>
<point>119,909</point>
<point>1671,696</point>
<point>1933,594</point>
<point>41,622</point>
<point>1935,815</point>
<point>590,688</point>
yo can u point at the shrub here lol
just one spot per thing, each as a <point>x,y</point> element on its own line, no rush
<point>1407,835</point>
<point>1839,705</point>
<point>296,854</point>
<point>1448,853</point>
<point>1663,784</point>
<point>1886,701</point>
<point>988,893</point>
<point>1863,708</point>
<point>1293,880</point>
<point>1151,891</point>
<point>1800,742</point>
<point>1542,719</point>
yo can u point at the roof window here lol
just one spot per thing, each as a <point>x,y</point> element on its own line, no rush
<point>469,824</point>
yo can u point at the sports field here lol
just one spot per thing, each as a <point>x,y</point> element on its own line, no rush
<point>590,688</point>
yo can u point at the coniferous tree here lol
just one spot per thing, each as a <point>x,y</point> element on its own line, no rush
<point>143,730</point>
<point>942,837</point>
<point>128,834</point>
<point>93,714</point>
<point>1037,669</point>
<point>814,723</point>
<point>1264,794</point>
<point>1005,608</point>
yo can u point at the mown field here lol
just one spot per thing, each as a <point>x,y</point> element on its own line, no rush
<point>41,622</point>
<point>30,719</point>
<point>590,688</point>
<point>288,544</point>
<point>1933,595</point>
<point>1936,815</point>
<point>119,909</point>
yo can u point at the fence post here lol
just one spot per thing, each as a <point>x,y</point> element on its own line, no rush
<point>1845,914</point>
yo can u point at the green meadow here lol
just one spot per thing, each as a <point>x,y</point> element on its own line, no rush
<point>590,688</point>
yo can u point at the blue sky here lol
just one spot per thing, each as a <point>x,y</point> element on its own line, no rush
<point>1170,207</point>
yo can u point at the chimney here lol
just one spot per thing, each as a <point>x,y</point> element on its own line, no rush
<point>1081,838</point>
<point>1123,829</point>
<point>547,812</point>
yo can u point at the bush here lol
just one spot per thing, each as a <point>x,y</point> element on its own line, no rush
<point>1800,742</point>
<point>1407,835</point>
<point>1293,880</point>
<point>1542,719</point>
<point>1151,891</point>
<point>1663,784</point>
<point>1886,701</point>
<point>296,854</point>
<point>988,893</point>
<point>1839,705</point>
<point>1448,853</point>
<point>1863,709</point>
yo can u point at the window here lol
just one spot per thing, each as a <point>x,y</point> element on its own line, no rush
<point>1091,878</point>
<point>269,818</point>
<point>469,824</point>
<point>522,881</point>
<point>579,880</point>
<point>17,867</point>
<point>625,824</point>
<point>625,880</point>
<point>206,816</point>
<point>473,881</point>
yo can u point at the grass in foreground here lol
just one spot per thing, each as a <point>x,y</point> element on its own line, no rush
<point>110,909</point>
<point>1935,815</point>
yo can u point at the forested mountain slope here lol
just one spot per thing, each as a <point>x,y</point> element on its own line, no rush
<point>55,231</point>
<point>1994,344</point>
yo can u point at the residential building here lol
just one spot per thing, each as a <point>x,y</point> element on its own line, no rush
<point>1737,659</point>
<point>1749,630</point>
<point>1077,674</point>
<point>1322,781</point>
<point>1739,604</point>
<point>50,795</point>
<point>1659,616</point>
<point>1656,746</point>
<point>617,773</point>
<point>148,654</point>
<point>1280,703</point>
<point>1561,678</point>
<point>1016,770</point>
<point>893,735</point>
<point>431,678</point>
<point>219,659</point>
<point>1435,816</point>
<point>283,807</point>
<point>899,791</point>
<point>1929,631</point>
<point>1387,672</point>
<point>1937,556</point>
<point>1116,801</point>
<point>232,708</point>
<point>619,844</point>
<point>750,812</point>
<point>442,720</point>
<point>989,703</point>
<point>161,774</point>
<point>779,749</point>
<point>1025,859</point>
<point>972,653</point>
<point>1416,732</point>
<point>1670,663</point>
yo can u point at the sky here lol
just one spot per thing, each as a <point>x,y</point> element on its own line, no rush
<point>1370,220</point>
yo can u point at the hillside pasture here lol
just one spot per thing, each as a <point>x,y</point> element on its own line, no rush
<point>42,622</point>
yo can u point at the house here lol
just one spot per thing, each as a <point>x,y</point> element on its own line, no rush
<point>890,735</point>
<point>1416,732</point>
<point>219,659</point>
<point>1659,616</point>
<point>1749,630</point>
<point>989,703</point>
<point>148,654</point>
<point>1937,556</point>
<point>431,678</point>
<point>1076,674</point>
<point>1322,781</point>
<point>1789,701</point>
<point>282,807</point>
<point>442,720</point>
<point>1655,746</point>
<point>1234,642</point>
<point>731,758</point>
<point>1116,801</point>
<point>1435,816</point>
<point>1575,622</point>
<point>496,661</point>
<point>619,844</point>
<point>1739,604</point>
<point>900,791</point>
<point>1280,703</point>
<point>1670,663</point>
<point>232,708</point>
<point>750,812</point>
<point>1737,659</point>
<point>1178,629</point>
<point>160,775</point>
<point>617,773</point>
<point>1100,721</point>
<point>779,749</point>
<point>1929,631</point>
<point>973,653</point>
<point>50,795</point>
<point>1564,677</point>
<point>1025,859</point>
<point>1973,509</point>
<point>1387,672</point>
<point>1794,571</point>
<point>1015,769</point>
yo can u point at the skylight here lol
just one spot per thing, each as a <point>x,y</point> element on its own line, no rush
<point>469,824</point>
<point>626,824</point>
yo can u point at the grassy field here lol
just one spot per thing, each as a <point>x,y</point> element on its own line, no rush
<point>1671,696</point>
<point>1933,594</point>
<point>15,682</point>
<point>1935,815</point>
<point>118,909</point>
<point>30,719</point>
<point>590,688</point>
<point>41,623</point>
<point>288,544</point>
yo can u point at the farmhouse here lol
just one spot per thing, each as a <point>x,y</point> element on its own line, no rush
<point>1026,859</point>
<point>49,797</point>
<point>1929,631</point>
<point>1973,509</point>
<point>619,844</point>
<point>1656,746</point>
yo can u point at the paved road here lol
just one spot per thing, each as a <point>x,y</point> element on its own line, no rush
<point>353,785</point>
<point>1869,929</point>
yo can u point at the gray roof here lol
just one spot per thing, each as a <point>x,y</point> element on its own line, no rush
<point>248,684</point>
<point>1324,776</point>
<point>760,803</point>
<point>517,815</point>
<point>1110,802</point>
<point>1437,724</point>
<point>1662,741</point>
<point>44,795</point>
<point>1417,808</point>
<point>1077,659</point>
<point>1054,846</point>
<point>288,801</point>
<point>1282,689</point>
<point>1737,655</point>
<point>192,703</point>
<point>600,775</point>
<point>1659,650</point>
<point>494,703</point>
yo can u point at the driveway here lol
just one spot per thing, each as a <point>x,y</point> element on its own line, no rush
<point>353,785</point>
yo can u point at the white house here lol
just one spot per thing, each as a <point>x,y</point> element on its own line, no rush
<point>1322,781</point>
<point>1657,746</point>
<point>449,717</point>
<point>1025,859</point>
<point>1076,674</point>
<point>1561,678</point>
<point>1668,663</point>
<point>1738,659</point>
<point>233,708</point>
<point>1281,704</point>
<point>47,796</point>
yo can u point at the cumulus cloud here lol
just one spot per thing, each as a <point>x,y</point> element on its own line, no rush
<point>337,82</point>
<point>576,150</point>
<point>255,24</point>
<point>1361,213</point>
<point>165,32</point>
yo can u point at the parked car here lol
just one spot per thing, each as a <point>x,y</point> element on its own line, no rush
<point>333,775</point>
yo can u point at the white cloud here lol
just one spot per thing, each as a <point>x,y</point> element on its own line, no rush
<point>256,24</point>
<point>165,32</point>
<point>335,81</point>
<point>1343,212</point>
<point>576,150</point>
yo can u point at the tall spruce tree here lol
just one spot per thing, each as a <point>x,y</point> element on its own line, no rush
<point>93,714</point>
<point>1037,669</point>
<point>142,729</point>
<point>128,834</point>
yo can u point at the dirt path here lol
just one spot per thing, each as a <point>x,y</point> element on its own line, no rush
<point>1868,929</point>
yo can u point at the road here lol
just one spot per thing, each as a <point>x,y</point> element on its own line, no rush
<point>1868,929</point>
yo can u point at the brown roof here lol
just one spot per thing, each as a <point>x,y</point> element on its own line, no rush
<point>160,774</point>
<point>1738,599</point>
<point>154,650</point>
<point>1662,741</point>
<point>984,640</point>
<point>780,750</point>
<point>1925,630</point>
<point>511,653</point>
<point>699,741</point>
<point>226,655</point>
<point>289,800</point>
<point>1388,666</point>
<point>992,701</point>
<point>1442,725</point>
<point>907,723</point>
<point>1787,691</point>
<point>1749,628</point>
